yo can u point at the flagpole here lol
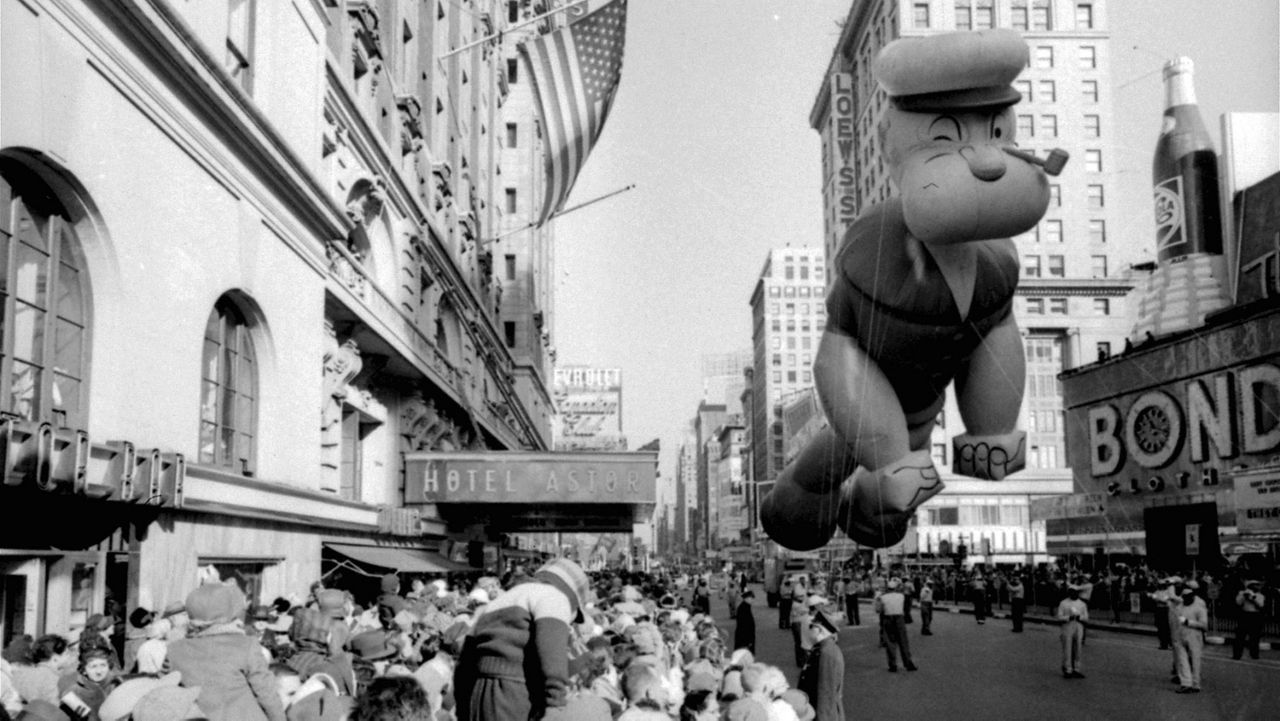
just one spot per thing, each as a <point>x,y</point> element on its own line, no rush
<point>518,25</point>
<point>559,213</point>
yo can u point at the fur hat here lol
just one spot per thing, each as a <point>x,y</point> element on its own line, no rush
<point>215,603</point>
<point>569,577</point>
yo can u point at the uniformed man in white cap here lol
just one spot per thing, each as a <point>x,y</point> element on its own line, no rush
<point>891,606</point>
<point>822,676</point>
<point>1073,613</point>
<point>1188,640</point>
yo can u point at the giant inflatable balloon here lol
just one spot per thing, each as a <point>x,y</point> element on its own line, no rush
<point>921,296</point>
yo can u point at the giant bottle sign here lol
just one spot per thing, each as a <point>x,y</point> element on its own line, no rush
<point>1185,174</point>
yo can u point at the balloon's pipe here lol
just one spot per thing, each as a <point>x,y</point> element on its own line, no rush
<point>1056,161</point>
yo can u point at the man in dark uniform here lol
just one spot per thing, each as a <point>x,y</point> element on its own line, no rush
<point>784,604</point>
<point>744,632</point>
<point>822,677</point>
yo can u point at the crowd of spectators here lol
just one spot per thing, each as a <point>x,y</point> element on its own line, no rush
<point>556,642</point>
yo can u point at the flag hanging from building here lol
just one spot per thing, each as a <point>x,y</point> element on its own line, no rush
<point>574,71</point>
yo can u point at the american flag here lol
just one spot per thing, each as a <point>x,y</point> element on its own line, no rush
<point>575,72</point>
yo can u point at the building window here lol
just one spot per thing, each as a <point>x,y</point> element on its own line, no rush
<point>790,273</point>
<point>791,359</point>
<point>511,200</point>
<point>228,399</point>
<point>239,58</point>
<point>791,308</point>
<point>513,71</point>
<point>1093,126</point>
<point>1057,306</point>
<point>1031,266</point>
<point>1055,195</point>
<point>1044,57</point>
<point>774,291</point>
<point>1096,201</point>
<point>351,471</point>
<point>1035,306</point>
<point>1088,57</point>
<point>511,266</point>
<point>984,17</point>
<point>777,359</point>
<point>1053,231</point>
<point>1026,126</point>
<point>1089,88</point>
<point>939,454</point>
<point>789,291</point>
<point>791,376</point>
<point>512,135</point>
<point>920,15</point>
<point>1040,16</point>
<point>964,17</point>
<point>45,338</point>
<point>804,275</point>
<point>509,333</point>
<point>807,377</point>
<point>1057,266</point>
<point>1084,16</point>
<point>1024,87</point>
<point>1018,16</point>
<point>1102,306</point>
<point>1104,347</point>
<point>1093,161</point>
<point>1098,265</point>
<point>773,309</point>
<point>777,342</point>
<point>776,325</point>
<point>791,342</point>
<point>1049,126</point>
<point>513,11</point>
<point>1097,231</point>
<point>1048,91</point>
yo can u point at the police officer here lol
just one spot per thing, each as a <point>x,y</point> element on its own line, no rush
<point>890,606</point>
<point>1073,613</point>
<point>1251,601</point>
<point>1161,597</point>
<point>926,608</point>
<point>1018,601</point>
<point>822,677</point>
<point>1188,640</point>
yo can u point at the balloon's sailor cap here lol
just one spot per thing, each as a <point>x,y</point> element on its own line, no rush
<point>956,71</point>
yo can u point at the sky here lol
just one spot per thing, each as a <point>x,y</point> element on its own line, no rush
<point>711,124</point>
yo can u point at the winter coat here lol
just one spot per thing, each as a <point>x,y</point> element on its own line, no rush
<point>744,633</point>
<point>89,692</point>
<point>235,682</point>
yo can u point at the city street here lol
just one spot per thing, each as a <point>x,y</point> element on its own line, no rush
<point>985,672</point>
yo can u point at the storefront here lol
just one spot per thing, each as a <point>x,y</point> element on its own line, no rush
<point>1166,433</point>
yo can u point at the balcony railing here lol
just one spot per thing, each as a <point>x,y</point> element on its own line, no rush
<point>347,269</point>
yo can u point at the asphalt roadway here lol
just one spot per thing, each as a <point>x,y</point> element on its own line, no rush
<point>987,673</point>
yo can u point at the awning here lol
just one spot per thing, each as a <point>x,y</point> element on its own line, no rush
<point>404,560</point>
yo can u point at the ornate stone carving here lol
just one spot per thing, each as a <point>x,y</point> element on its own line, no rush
<point>341,364</point>
<point>365,201</point>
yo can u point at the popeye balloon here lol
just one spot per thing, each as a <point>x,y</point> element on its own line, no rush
<point>922,295</point>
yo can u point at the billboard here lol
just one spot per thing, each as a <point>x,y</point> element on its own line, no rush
<point>1258,501</point>
<point>588,409</point>
<point>1069,505</point>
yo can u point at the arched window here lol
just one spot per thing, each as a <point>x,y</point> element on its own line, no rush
<point>43,359</point>
<point>228,393</point>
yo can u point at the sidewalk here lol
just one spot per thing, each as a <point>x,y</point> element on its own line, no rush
<point>1134,628</point>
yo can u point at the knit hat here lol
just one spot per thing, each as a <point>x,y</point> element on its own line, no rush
<point>215,603</point>
<point>799,701</point>
<point>169,703</point>
<point>570,579</point>
<point>122,701</point>
<point>332,603</point>
<point>390,583</point>
<point>373,646</point>
<point>41,710</point>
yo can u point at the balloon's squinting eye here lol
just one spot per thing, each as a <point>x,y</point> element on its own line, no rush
<point>998,132</point>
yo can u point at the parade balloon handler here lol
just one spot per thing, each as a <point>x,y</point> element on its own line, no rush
<point>922,295</point>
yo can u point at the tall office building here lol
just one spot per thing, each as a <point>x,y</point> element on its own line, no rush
<point>1072,305</point>
<point>686,492</point>
<point>722,379</point>
<point>788,314</point>
<point>706,425</point>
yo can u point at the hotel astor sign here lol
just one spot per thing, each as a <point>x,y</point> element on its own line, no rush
<point>530,477</point>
